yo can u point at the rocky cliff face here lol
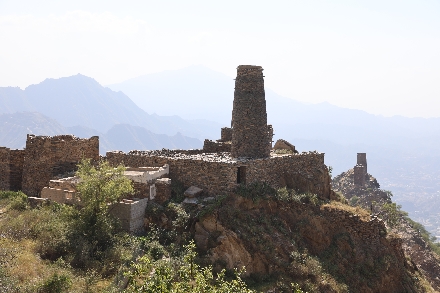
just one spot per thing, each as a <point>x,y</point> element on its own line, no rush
<point>323,247</point>
<point>416,248</point>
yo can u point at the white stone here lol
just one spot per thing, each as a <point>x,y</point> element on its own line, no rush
<point>193,191</point>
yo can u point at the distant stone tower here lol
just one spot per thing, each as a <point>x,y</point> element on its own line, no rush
<point>251,136</point>
<point>360,170</point>
<point>362,160</point>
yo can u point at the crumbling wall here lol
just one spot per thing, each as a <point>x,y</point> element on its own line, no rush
<point>305,173</point>
<point>16,160</point>
<point>211,146</point>
<point>212,176</point>
<point>250,132</point>
<point>4,168</point>
<point>46,157</point>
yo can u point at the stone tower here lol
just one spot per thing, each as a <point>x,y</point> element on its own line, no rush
<point>360,170</point>
<point>362,160</point>
<point>250,133</point>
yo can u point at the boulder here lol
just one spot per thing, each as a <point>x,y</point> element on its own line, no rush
<point>282,144</point>
<point>193,191</point>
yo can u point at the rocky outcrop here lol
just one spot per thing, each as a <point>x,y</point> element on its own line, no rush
<point>267,236</point>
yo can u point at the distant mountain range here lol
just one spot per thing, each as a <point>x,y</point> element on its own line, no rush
<point>80,100</point>
<point>123,137</point>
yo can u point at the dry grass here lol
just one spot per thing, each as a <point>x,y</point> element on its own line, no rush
<point>336,205</point>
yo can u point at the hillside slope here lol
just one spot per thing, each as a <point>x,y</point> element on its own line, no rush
<point>416,241</point>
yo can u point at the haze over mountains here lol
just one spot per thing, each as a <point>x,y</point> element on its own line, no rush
<point>178,109</point>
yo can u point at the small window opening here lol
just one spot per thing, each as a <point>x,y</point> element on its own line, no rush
<point>241,175</point>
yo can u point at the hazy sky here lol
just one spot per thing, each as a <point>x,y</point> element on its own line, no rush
<point>379,56</point>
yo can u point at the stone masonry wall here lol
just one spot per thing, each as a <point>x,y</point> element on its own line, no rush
<point>211,146</point>
<point>249,118</point>
<point>46,157</point>
<point>4,168</point>
<point>16,167</point>
<point>212,177</point>
<point>305,173</point>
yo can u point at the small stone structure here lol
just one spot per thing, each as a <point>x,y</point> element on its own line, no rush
<point>360,170</point>
<point>149,183</point>
<point>251,136</point>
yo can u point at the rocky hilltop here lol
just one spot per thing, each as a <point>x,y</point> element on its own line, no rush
<point>416,242</point>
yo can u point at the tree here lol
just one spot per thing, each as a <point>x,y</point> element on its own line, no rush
<point>93,227</point>
<point>170,275</point>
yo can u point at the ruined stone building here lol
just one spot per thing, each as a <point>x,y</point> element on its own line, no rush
<point>242,155</point>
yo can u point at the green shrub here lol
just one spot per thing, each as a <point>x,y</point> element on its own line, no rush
<point>255,190</point>
<point>55,284</point>
<point>17,200</point>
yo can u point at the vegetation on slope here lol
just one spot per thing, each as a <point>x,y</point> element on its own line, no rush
<point>278,240</point>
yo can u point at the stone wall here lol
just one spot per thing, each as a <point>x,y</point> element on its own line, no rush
<point>211,146</point>
<point>212,176</point>
<point>16,168</point>
<point>249,118</point>
<point>219,173</point>
<point>305,173</point>
<point>4,168</point>
<point>46,157</point>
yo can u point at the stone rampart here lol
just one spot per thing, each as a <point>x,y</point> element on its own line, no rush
<point>211,146</point>
<point>46,157</point>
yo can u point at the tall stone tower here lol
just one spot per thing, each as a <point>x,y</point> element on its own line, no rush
<point>250,132</point>
<point>362,160</point>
